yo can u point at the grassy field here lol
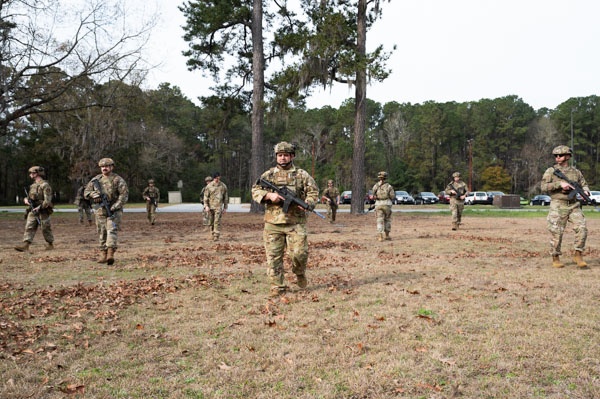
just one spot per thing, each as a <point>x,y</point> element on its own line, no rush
<point>434,313</point>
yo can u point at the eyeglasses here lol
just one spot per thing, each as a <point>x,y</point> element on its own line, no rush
<point>560,155</point>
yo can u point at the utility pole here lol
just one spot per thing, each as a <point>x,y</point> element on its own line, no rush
<point>470,146</point>
<point>572,143</point>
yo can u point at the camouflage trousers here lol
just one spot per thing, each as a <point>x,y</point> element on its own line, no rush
<point>31,226</point>
<point>456,207</point>
<point>384,218</point>
<point>331,213</point>
<point>560,213</point>
<point>107,229</point>
<point>214,221</point>
<point>151,211</point>
<point>85,210</point>
<point>278,237</point>
<point>205,218</point>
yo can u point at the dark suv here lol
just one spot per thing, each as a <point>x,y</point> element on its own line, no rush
<point>426,197</point>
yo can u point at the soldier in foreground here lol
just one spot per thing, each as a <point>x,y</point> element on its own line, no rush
<point>216,199</point>
<point>384,194</point>
<point>457,190</point>
<point>84,207</point>
<point>110,193</point>
<point>331,196</point>
<point>286,229</point>
<point>151,195</point>
<point>565,208</point>
<point>39,202</point>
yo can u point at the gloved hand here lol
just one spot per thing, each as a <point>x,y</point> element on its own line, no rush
<point>113,208</point>
<point>311,205</point>
<point>96,198</point>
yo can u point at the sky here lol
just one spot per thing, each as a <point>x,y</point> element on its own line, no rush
<point>543,51</point>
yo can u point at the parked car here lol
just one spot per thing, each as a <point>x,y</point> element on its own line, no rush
<point>540,200</point>
<point>443,197</point>
<point>594,196</point>
<point>492,194</point>
<point>476,197</point>
<point>369,198</point>
<point>346,197</point>
<point>403,198</point>
<point>426,197</point>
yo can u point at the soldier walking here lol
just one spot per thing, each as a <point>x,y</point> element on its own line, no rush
<point>457,190</point>
<point>331,196</point>
<point>151,195</point>
<point>564,209</point>
<point>84,206</point>
<point>216,199</point>
<point>286,230</point>
<point>113,189</point>
<point>384,194</point>
<point>205,214</point>
<point>39,201</point>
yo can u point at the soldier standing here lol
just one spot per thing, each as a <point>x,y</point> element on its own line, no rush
<point>114,189</point>
<point>563,209</point>
<point>39,200</point>
<point>151,195</point>
<point>84,206</point>
<point>286,229</point>
<point>216,199</point>
<point>384,194</point>
<point>457,190</point>
<point>205,214</point>
<point>331,196</point>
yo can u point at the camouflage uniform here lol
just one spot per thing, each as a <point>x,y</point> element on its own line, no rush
<point>117,193</point>
<point>457,190</point>
<point>216,199</point>
<point>205,214</point>
<point>151,195</point>
<point>286,229</point>
<point>563,210</point>
<point>332,197</point>
<point>384,194</point>
<point>40,198</point>
<point>83,206</point>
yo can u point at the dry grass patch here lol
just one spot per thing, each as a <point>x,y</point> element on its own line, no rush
<point>431,314</point>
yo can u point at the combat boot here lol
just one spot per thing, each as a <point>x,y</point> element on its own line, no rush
<point>387,236</point>
<point>49,246</point>
<point>301,281</point>
<point>24,247</point>
<point>102,258</point>
<point>579,260</point>
<point>556,262</point>
<point>454,226</point>
<point>380,237</point>
<point>89,222</point>
<point>110,256</point>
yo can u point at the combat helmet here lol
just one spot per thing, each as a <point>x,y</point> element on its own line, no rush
<point>456,174</point>
<point>562,149</point>
<point>106,162</point>
<point>37,169</point>
<point>208,178</point>
<point>284,146</point>
<point>151,181</point>
<point>382,175</point>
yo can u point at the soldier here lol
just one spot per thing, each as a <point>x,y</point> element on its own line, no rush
<point>39,200</point>
<point>384,194</point>
<point>83,206</point>
<point>331,196</point>
<point>114,189</point>
<point>286,229</point>
<point>457,190</point>
<point>205,214</point>
<point>216,199</point>
<point>151,195</point>
<point>563,209</point>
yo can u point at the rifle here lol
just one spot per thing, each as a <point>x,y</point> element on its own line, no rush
<point>104,199</point>
<point>288,196</point>
<point>577,189</point>
<point>153,202</point>
<point>32,208</point>
<point>332,202</point>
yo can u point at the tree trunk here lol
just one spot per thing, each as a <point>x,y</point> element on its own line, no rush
<point>358,156</point>
<point>258,87</point>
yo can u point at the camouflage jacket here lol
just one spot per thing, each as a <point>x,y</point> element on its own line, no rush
<point>216,195</point>
<point>40,193</point>
<point>80,199</point>
<point>332,194</point>
<point>114,187</point>
<point>551,183</point>
<point>459,186</point>
<point>384,193</point>
<point>151,192</point>
<point>297,180</point>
